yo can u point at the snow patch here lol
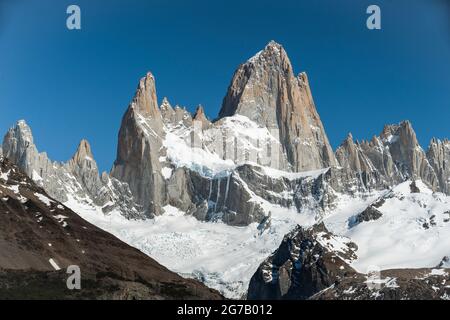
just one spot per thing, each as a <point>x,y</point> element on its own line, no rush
<point>54,264</point>
<point>43,199</point>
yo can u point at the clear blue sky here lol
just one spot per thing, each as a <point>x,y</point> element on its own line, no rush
<point>70,85</point>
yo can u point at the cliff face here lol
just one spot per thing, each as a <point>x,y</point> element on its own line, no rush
<point>139,146</point>
<point>438,155</point>
<point>396,156</point>
<point>265,90</point>
<point>267,110</point>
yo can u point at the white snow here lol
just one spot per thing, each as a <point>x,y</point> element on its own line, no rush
<point>277,174</point>
<point>4,175</point>
<point>54,264</point>
<point>43,199</point>
<point>203,150</point>
<point>398,239</point>
<point>14,188</point>
<point>224,257</point>
<point>36,177</point>
<point>197,159</point>
<point>61,219</point>
<point>166,172</point>
<point>438,272</point>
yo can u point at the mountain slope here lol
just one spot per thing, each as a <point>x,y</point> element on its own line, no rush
<point>39,236</point>
<point>312,263</point>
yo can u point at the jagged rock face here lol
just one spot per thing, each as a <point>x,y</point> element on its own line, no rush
<point>394,157</point>
<point>139,146</point>
<point>381,159</point>
<point>78,179</point>
<point>303,265</point>
<point>145,101</point>
<point>315,264</point>
<point>209,199</point>
<point>371,213</point>
<point>200,116</point>
<point>83,166</point>
<point>438,155</point>
<point>350,155</point>
<point>19,147</point>
<point>407,153</point>
<point>265,90</point>
<point>174,116</point>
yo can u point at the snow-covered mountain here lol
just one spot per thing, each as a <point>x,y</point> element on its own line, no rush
<point>213,199</point>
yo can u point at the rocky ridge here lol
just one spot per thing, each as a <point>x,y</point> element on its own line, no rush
<point>76,180</point>
<point>212,170</point>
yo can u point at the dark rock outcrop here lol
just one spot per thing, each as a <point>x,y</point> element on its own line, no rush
<point>315,264</point>
<point>304,264</point>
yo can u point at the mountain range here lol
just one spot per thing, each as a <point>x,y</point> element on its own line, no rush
<point>256,203</point>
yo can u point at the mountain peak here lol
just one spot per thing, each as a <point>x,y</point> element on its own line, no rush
<point>83,152</point>
<point>23,130</point>
<point>273,54</point>
<point>22,123</point>
<point>274,47</point>
<point>166,106</point>
<point>266,91</point>
<point>145,100</point>
<point>165,102</point>
<point>201,116</point>
<point>273,43</point>
<point>18,141</point>
<point>199,112</point>
<point>349,137</point>
<point>403,131</point>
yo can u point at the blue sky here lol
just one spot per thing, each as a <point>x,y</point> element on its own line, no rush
<point>70,85</point>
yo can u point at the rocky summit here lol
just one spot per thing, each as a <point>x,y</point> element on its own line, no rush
<point>266,91</point>
<point>182,183</point>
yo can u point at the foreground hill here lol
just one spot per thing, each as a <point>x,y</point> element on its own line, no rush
<point>40,238</point>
